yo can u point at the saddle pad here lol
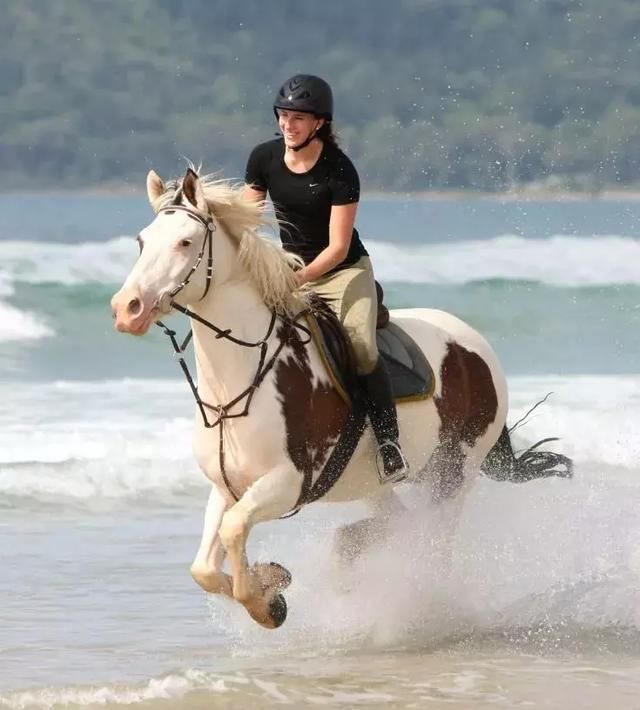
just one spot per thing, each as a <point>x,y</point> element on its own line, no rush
<point>410,372</point>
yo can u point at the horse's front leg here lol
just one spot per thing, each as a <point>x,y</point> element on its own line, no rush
<point>207,565</point>
<point>258,588</point>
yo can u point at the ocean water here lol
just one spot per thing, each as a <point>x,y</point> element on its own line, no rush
<point>101,502</point>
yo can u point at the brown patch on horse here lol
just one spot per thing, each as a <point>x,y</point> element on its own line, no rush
<point>314,416</point>
<point>467,405</point>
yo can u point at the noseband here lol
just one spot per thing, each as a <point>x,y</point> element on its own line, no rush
<point>222,411</point>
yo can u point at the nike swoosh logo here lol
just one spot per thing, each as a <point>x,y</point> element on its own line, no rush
<point>314,184</point>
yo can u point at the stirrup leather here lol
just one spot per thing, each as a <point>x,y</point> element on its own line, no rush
<point>396,476</point>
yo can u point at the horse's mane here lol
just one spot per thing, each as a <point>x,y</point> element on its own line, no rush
<point>271,268</point>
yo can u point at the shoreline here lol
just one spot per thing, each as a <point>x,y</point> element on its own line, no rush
<point>525,195</point>
<point>521,195</point>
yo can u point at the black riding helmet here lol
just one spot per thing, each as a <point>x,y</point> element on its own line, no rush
<point>305,93</point>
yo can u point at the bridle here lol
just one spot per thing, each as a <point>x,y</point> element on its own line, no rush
<point>222,411</point>
<point>210,227</point>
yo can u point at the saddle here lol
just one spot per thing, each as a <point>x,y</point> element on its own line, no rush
<point>409,370</point>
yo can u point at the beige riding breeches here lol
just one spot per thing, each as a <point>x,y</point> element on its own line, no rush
<point>351,293</point>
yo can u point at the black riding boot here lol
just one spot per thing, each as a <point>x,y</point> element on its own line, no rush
<point>392,465</point>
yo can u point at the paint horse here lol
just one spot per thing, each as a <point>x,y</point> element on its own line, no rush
<point>264,385</point>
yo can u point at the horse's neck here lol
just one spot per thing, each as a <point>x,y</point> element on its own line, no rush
<point>225,369</point>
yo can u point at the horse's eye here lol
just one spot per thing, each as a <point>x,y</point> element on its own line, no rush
<point>185,243</point>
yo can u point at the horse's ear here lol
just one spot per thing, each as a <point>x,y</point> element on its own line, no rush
<point>192,190</point>
<point>155,187</point>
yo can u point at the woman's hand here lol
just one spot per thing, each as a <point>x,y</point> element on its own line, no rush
<point>340,235</point>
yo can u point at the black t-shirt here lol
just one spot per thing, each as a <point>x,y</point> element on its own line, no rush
<point>303,201</point>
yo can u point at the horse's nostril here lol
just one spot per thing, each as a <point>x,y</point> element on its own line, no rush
<point>134,306</point>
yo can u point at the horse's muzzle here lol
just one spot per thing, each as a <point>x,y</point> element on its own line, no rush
<point>131,314</point>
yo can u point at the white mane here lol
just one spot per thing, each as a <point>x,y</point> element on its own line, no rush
<point>271,268</point>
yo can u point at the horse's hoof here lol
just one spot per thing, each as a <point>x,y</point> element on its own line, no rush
<point>278,610</point>
<point>282,573</point>
<point>272,576</point>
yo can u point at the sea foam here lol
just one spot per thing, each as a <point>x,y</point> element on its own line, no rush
<point>21,325</point>
<point>559,261</point>
<point>138,440</point>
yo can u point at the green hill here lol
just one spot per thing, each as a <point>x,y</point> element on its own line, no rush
<point>486,94</point>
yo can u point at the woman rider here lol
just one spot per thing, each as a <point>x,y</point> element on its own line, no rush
<point>315,191</point>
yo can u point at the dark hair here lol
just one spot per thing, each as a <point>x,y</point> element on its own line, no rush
<point>326,134</point>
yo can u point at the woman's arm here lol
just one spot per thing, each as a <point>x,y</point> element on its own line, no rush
<point>254,194</point>
<point>341,224</point>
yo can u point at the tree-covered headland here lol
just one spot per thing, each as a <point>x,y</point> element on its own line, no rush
<point>446,94</point>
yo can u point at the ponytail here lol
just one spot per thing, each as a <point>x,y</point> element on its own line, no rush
<point>326,134</point>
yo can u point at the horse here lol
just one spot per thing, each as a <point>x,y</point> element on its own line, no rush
<point>264,385</point>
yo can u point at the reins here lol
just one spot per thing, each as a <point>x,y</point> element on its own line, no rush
<point>223,411</point>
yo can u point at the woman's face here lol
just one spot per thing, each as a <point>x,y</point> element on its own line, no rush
<point>296,126</point>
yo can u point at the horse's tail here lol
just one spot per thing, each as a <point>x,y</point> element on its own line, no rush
<point>502,464</point>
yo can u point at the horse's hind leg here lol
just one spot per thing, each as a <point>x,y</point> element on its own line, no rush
<point>452,470</point>
<point>355,539</point>
<point>207,565</point>
<point>258,588</point>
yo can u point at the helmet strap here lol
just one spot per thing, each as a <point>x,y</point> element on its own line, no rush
<point>305,143</point>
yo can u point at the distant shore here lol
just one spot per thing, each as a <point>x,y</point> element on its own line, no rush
<point>524,194</point>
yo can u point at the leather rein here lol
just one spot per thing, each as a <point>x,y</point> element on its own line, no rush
<point>222,411</point>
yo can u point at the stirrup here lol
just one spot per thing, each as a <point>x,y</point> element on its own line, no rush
<point>395,476</point>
